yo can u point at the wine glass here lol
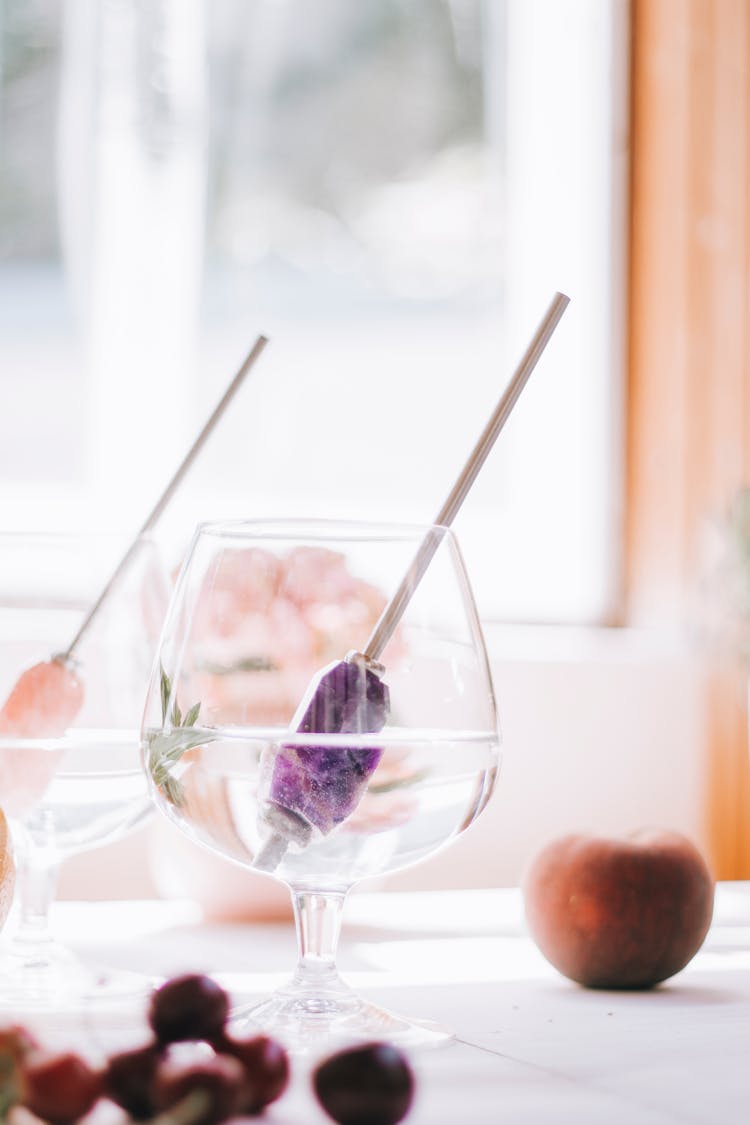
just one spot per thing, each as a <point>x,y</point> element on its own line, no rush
<point>259,608</point>
<point>83,787</point>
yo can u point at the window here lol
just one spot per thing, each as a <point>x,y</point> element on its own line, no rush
<point>391,191</point>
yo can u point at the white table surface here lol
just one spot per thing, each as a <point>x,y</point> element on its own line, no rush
<point>531,1047</point>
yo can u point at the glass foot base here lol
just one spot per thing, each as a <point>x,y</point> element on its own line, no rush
<point>54,982</point>
<point>314,1020</point>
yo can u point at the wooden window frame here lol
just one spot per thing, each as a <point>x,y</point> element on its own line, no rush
<point>688,435</point>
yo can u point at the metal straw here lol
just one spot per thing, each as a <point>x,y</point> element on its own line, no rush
<point>393,612</point>
<point>170,490</point>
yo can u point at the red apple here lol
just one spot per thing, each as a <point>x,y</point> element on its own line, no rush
<point>619,913</point>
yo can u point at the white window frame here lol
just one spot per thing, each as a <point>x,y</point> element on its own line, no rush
<point>565,112</point>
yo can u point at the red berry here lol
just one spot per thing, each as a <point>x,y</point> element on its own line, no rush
<point>368,1085</point>
<point>266,1066</point>
<point>129,1079</point>
<point>188,1007</point>
<point>59,1088</point>
<point>207,1091</point>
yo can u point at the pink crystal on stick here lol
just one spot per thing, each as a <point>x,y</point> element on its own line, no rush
<point>44,701</point>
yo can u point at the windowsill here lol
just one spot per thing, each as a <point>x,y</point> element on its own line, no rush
<point>604,730</point>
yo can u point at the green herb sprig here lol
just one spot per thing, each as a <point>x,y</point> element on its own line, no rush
<point>165,750</point>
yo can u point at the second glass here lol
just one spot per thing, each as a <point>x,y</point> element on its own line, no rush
<point>83,787</point>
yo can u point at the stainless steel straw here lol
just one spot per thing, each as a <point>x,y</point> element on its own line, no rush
<point>393,612</point>
<point>169,491</point>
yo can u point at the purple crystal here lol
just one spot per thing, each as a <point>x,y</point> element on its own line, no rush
<point>348,697</point>
<point>322,785</point>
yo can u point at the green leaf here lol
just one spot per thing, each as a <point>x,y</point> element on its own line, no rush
<point>398,783</point>
<point>166,691</point>
<point>192,715</point>
<point>165,749</point>
<point>244,664</point>
<point>174,791</point>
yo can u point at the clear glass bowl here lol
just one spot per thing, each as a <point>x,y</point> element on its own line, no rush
<point>320,782</point>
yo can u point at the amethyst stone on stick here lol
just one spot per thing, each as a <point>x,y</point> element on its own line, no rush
<point>349,697</point>
<point>317,787</point>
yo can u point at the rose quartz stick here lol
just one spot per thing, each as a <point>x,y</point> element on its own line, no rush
<point>47,697</point>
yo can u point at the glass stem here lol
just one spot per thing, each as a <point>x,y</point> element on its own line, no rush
<point>37,884</point>
<point>317,916</point>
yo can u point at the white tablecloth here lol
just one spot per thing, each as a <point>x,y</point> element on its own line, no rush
<point>530,1046</point>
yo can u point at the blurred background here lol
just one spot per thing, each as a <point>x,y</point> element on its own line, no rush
<point>392,191</point>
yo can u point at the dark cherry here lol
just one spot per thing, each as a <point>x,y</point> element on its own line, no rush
<point>129,1079</point>
<point>58,1087</point>
<point>207,1091</point>
<point>368,1085</point>
<point>266,1066</point>
<point>188,1007</point>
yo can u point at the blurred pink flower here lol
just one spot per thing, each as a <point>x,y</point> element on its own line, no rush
<point>267,624</point>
